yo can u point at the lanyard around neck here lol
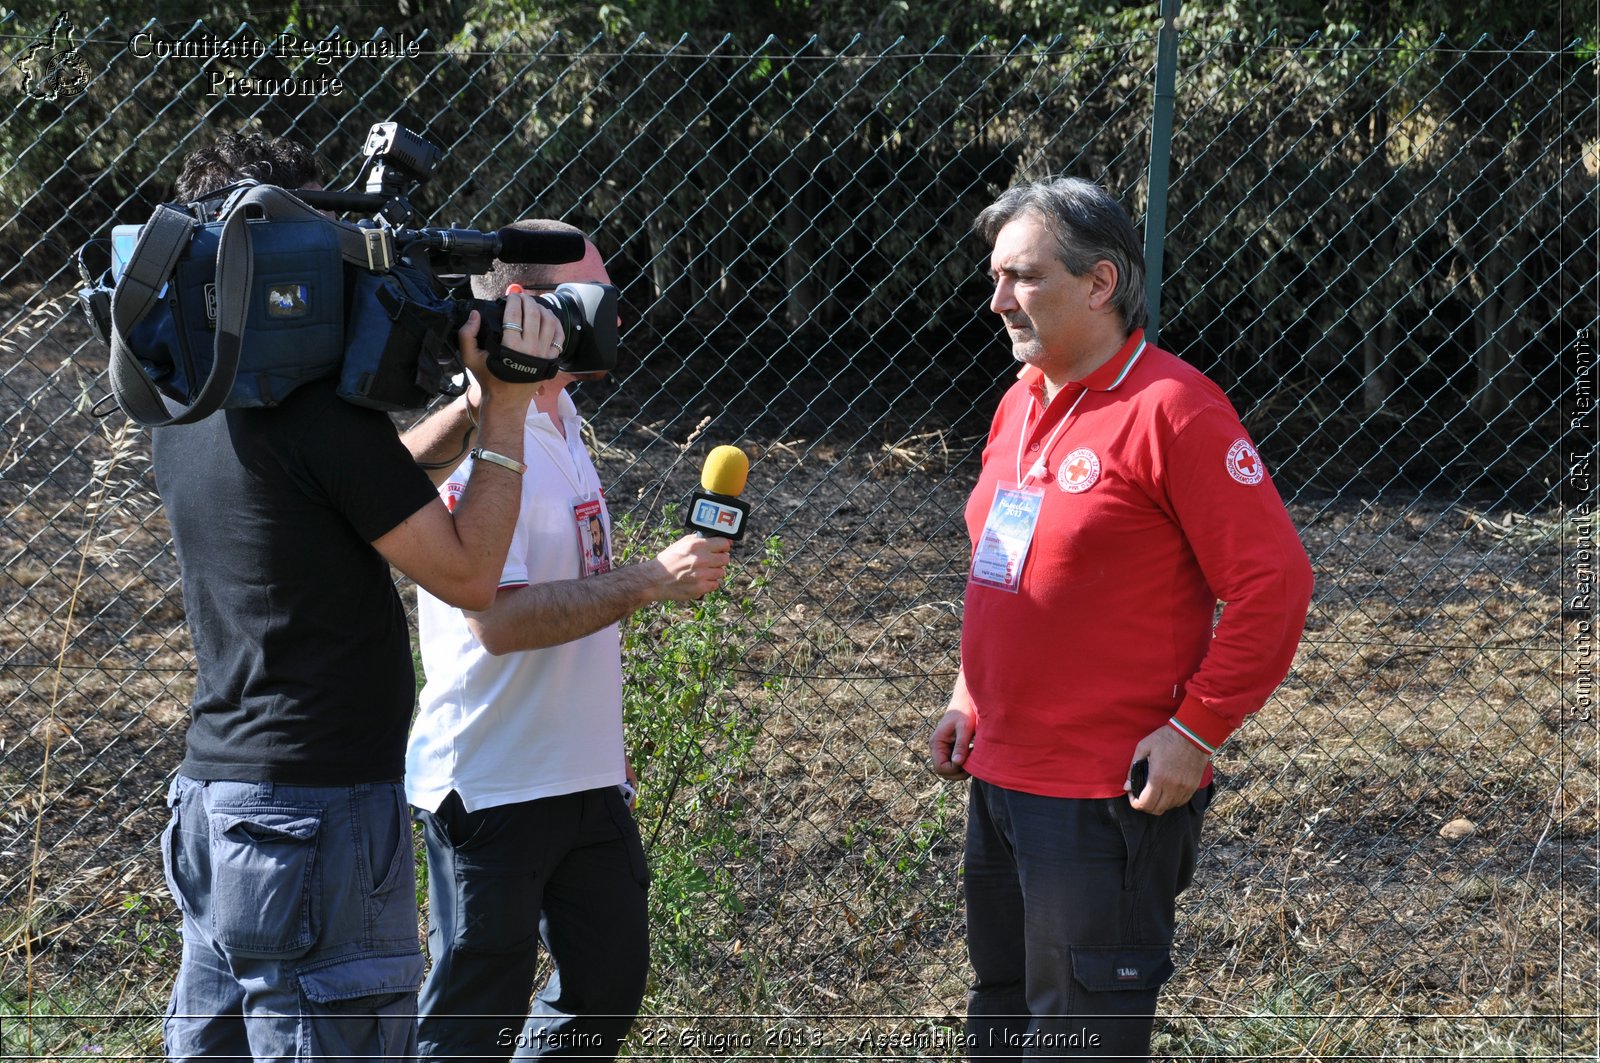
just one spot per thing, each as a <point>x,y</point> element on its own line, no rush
<point>1044,452</point>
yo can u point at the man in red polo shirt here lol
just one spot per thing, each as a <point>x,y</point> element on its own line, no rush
<point>1120,501</point>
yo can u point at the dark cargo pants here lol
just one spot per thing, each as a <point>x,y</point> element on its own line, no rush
<point>1070,909</point>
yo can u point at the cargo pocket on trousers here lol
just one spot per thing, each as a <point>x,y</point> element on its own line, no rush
<point>174,865</point>
<point>264,900</point>
<point>1114,996</point>
<point>361,1007</point>
<point>392,905</point>
<point>1120,979</point>
<point>496,889</point>
<point>169,862</point>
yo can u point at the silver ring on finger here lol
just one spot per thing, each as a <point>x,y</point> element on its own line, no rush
<point>511,326</point>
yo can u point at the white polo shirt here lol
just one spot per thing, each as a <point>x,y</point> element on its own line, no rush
<point>536,723</point>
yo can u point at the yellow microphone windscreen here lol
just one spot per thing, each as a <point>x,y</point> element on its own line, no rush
<point>724,471</point>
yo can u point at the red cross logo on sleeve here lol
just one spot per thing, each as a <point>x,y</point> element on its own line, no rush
<point>1244,464</point>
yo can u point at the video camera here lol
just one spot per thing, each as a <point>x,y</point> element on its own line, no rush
<point>239,298</point>
<point>398,161</point>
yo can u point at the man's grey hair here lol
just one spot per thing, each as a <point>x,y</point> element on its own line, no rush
<point>1088,225</point>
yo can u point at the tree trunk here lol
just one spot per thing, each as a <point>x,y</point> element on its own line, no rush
<point>798,184</point>
<point>1377,363</point>
<point>1499,328</point>
<point>1378,343</point>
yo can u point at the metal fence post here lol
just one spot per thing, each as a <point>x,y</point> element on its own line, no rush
<point>1155,217</point>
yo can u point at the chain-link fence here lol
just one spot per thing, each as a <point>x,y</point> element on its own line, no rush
<point>1384,250</point>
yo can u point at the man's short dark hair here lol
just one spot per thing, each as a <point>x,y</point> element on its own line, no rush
<point>1089,227</point>
<point>275,161</point>
<point>492,285</point>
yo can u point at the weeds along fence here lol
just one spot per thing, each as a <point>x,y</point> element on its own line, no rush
<point>1385,250</point>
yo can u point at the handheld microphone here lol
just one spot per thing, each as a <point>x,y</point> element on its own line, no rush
<point>715,509</point>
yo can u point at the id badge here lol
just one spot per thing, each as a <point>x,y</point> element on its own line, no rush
<point>1007,534</point>
<point>594,539</point>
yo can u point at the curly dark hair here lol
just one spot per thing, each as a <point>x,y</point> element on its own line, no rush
<point>275,161</point>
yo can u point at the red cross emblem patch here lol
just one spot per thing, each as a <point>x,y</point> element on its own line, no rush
<point>1244,464</point>
<point>1078,471</point>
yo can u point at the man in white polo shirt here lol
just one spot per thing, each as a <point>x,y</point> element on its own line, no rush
<point>516,760</point>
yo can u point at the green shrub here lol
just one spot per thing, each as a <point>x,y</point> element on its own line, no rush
<point>691,723</point>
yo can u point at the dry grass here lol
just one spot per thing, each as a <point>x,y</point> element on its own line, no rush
<point>1330,918</point>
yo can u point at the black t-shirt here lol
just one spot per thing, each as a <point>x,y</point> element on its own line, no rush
<point>303,649</point>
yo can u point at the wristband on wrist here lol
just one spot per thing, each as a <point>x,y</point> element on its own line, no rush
<point>511,464</point>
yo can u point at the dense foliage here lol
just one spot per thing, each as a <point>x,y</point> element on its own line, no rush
<point>1375,208</point>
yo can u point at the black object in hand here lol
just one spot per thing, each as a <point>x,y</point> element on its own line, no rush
<point>1138,777</point>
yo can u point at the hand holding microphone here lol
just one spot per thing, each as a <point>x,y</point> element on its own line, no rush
<point>694,566</point>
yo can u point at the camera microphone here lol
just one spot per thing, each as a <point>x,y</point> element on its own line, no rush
<point>507,245</point>
<point>715,509</point>
<point>521,245</point>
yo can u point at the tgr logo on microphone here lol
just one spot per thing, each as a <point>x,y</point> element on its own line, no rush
<point>716,517</point>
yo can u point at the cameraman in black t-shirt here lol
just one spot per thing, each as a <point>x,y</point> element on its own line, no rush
<point>289,850</point>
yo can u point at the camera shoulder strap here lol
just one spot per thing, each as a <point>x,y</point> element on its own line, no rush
<point>161,244</point>
<point>370,248</point>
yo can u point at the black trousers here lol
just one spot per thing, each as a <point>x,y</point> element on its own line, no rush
<point>566,871</point>
<point>1070,910</point>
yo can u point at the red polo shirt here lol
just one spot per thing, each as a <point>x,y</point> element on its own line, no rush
<point>1156,507</point>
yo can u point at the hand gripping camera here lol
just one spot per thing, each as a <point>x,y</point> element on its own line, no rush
<point>239,298</point>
